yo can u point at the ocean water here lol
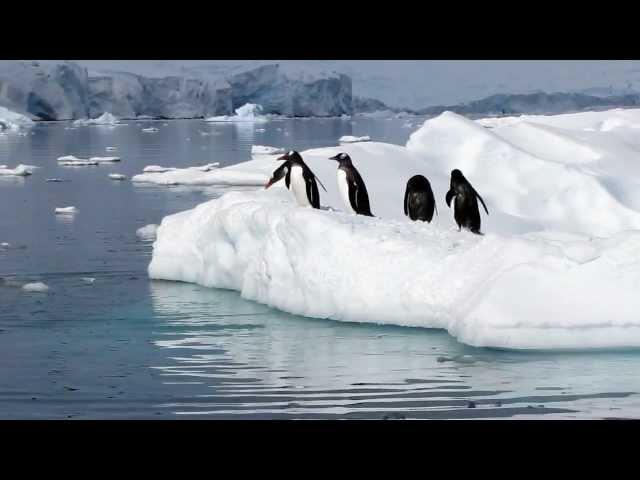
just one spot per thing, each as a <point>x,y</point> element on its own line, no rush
<point>128,347</point>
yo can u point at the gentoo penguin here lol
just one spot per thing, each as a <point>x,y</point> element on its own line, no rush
<point>351,186</point>
<point>466,211</point>
<point>299,179</point>
<point>419,201</point>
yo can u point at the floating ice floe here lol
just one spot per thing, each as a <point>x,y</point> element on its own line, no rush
<point>117,176</point>
<point>260,130</point>
<point>104,119</point>
<point>351,139</point>
<point>157,169</point>
<point>557,267</point>
<point>54,180</point>
<point>19,171</point>
<point>150,129</point>
<point>265,150</point>
<point>65,210</point>
<point>88,280</point>
<point>249,112</point>
<point>35,287</point>
<point>104,159</point>
<point>5,245</point>
<point>111,149</point>
<point>148,232</point>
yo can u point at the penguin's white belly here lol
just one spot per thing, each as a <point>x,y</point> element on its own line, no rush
<point>343,187</point>
<point>299,187</point>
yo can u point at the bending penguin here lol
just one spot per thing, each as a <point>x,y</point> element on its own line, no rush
<point>466,211</point>
<point>351,186</point>
<point>419,202</point>
<point>298,178</point>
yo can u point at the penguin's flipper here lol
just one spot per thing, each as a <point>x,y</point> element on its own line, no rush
<point>485,207</point>
<point>312,192</point>
<point>450,194</point>
<point>314,175</point>
<point>406,201</point>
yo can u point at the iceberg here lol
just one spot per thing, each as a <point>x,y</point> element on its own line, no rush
<point>249,112</point>
<point>265,150</point>
<point>557,267</point>
<point>19,171</point>
<point>35,287</point>
<point>351,139</point>
<point>65,210</point>
<point>104,119</point>
<point>148,232</point>
<point>13,121</point>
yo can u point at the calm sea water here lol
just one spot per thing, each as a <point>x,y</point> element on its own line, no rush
<point>129,347</point>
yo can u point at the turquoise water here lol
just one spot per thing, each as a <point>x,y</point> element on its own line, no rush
<point>128,347</point>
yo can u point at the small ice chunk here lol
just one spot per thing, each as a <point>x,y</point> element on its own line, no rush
<point>3,166</point>
<point>111,149</point>
<point>148,232</point>
<point>5,245</point>
<point>150,129</point>
<point>351,139</point>
<point>19,171</point>
<point>104,159</point>
<point>54,180</point>
<point>260,130</point>
<point>64,210</point>
<point>35,287</point>
<point>88,280</point>
<point>77,163</point>
<point>117,176</point>
<point>157,169</point>
<point>266,150</point>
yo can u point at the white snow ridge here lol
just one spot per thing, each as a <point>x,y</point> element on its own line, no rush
<point>557,268</point>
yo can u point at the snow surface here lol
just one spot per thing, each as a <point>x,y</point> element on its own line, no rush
<point>64,210</point>
<point>249,112</point>
<point>558,267</point>
<point>351,139</point>
<point>35,287</point>
<point>13,121</point>
<point>104,119</point>
<point>20,171</point>
<point>265,150</point>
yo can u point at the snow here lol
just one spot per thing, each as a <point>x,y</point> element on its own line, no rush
<point>104,119</point>
<point>148,232</point>
<point>265,150</point>
<point>249,112</point>
<point>557,268</point>
<point>351,139</point>
<point>13,121</point>
<point>117,176</point>
<point>65,210</point>
<point>35,287</point>
<point>19,171</point>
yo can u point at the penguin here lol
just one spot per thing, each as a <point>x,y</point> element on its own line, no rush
<point>419,202</point>
<point>299,179</point>
<point>351,186</point>
<point>466,211</point>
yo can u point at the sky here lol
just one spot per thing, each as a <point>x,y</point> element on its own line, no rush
<point>422,83</point>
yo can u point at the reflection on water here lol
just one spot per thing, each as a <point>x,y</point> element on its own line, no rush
<point>126,347</point>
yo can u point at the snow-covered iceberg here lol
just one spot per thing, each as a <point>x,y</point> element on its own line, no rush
<point>13,121</point>
<point>249,112</point>
<point>19,171</point>
<point>352,139</point>
<point>104,119</point>
<point>558,267</point>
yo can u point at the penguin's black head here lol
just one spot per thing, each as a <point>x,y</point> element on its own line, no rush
<point>292,156</point>
<point>456,175</point>
<point>342,158</point>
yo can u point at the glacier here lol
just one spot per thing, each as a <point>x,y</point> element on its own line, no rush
<point>557,268</point>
